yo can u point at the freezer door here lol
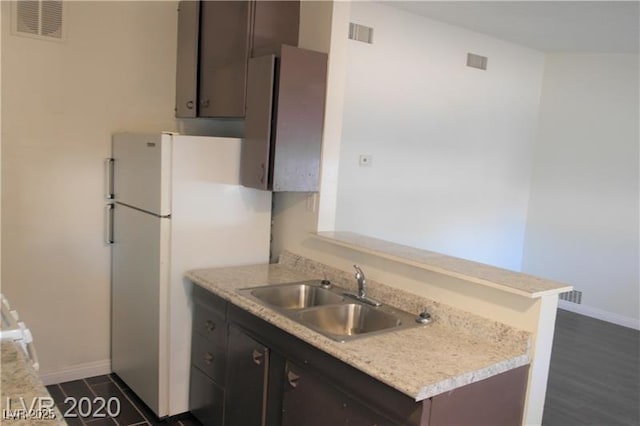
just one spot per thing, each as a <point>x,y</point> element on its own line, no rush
<point>140,282</point>
<point>142,171</point>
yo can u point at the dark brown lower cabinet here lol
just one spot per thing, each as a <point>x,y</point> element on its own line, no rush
<point>496,401</point>
<point>309,400</point>
<point>272,378</point>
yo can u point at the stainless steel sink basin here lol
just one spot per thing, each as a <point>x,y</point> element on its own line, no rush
<point>348,320</point>
<point>328,312</point>
<point>296,296</point>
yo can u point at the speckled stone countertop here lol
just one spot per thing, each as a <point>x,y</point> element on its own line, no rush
<point>456,349</point>
<point>479,273</point>
<point>20,383</point>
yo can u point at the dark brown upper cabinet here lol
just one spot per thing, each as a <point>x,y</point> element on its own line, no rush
<point>285,116</point>
<point>216,40</point>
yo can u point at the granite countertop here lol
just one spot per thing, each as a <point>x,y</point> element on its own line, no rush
<point>456,349</point>
<point>502,279</point>
<point>21,384</point>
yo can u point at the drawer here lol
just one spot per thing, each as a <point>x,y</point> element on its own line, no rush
<point>208,324</point>
<point>206,399</point>
<point>209,357</point>
<point>211,301</point>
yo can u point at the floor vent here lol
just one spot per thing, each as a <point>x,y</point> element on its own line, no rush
<point>573,296</point>
<point>38,18</point>
<point>360,33</point>
<point>477,61</point>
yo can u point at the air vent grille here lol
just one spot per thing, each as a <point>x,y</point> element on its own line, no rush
<point>476,61</point>
<point>573,296</point>
<point>38,18</point>
<point>360,33</point>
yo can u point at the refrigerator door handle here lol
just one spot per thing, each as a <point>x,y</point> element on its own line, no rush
<point>108,178</point>
<point>108,228</point>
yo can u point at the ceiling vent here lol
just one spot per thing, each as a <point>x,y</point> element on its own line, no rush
<point>38,18</point>
<point>360,33</point>
<point>476,61</point>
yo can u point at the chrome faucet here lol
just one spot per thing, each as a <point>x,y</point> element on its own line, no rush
<point>362,289</point>
<point>362,283</point>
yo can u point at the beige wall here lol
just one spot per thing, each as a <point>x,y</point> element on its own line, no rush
<point>60,104</point>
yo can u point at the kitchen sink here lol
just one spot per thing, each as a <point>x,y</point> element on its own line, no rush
<point>348,320</point>
<point>296,296</point>
<point>326,311</point>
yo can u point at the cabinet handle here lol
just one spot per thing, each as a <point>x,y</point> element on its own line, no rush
<point>190,105</point>
<point>208,358</point>
<point>263,173</point>
<point>209,325</point>
<point>204,104</point>
<point>257,356</point>
<point>293,379</point>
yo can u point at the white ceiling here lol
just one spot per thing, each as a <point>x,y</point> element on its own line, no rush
<point>550,26</point>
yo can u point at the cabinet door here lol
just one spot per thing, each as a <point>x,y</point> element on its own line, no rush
<point>248,368</point>
<point>275,23</point>
<point>255,166</point>
<point>310,401</point>
<point>206,399</point>
<point>296,147</point>
<point>224,50</point>
<point>187,63</point>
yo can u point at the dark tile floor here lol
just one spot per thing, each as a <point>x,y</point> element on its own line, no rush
<point>132,411</point>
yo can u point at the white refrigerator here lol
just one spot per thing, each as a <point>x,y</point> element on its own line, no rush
<point>177,205</point>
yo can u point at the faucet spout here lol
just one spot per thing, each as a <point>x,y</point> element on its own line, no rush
<point>362,289</point>
<point>362,283</point>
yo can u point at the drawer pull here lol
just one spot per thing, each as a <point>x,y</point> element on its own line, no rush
<point>257,356</point>
<point>293,379</point>
<point>210,325</point>
<point>208,358</point>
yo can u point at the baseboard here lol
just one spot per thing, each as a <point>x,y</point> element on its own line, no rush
<point>600,314</point>
<point>75,372</point>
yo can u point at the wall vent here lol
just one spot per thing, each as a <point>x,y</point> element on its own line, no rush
<point>476,61</point>
<point>573,296</point>
<point>360,33</point>
<point>38,18</point>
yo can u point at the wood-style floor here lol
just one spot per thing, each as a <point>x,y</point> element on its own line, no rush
<point>594,379</point>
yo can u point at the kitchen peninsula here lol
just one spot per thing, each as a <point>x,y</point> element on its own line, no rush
<point>459,348</point>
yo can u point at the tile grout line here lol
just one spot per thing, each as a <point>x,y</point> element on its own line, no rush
<point>96,395</point>
<point>146,421</point>
<point>67,396</point>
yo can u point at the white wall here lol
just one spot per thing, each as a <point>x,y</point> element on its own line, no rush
<point>583,214</point>
<point>60,104</point>
<point>450,144</point>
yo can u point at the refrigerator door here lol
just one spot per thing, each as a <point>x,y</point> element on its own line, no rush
<point>142,171</point>
<point>139,300</point>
